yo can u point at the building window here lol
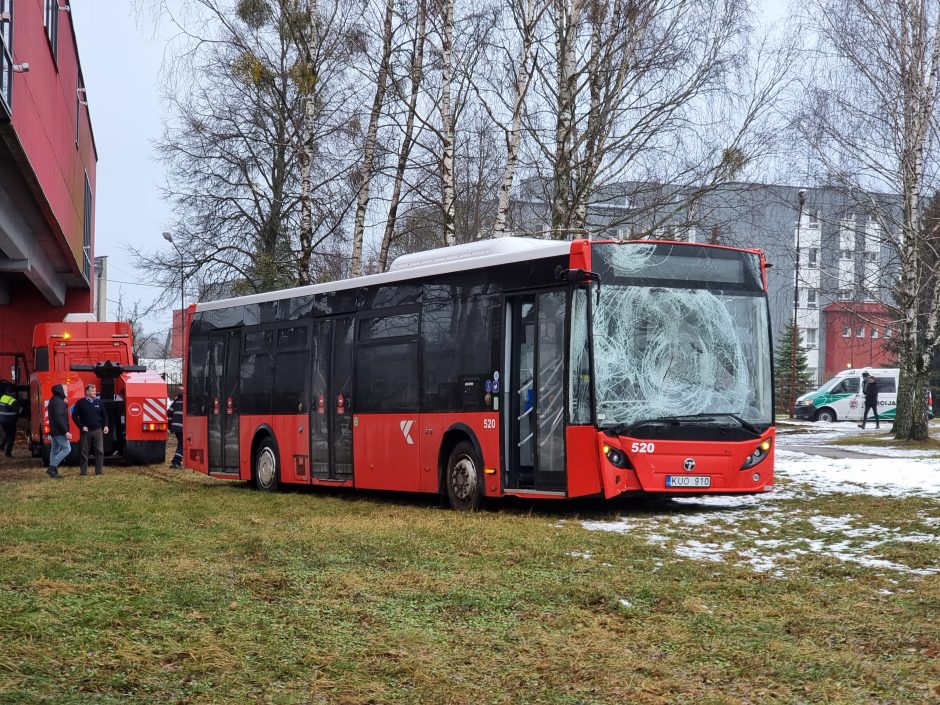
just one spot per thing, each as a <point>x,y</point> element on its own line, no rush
<point>860,332</point>
<point>811,298</point>
<point>871,256</point>
<point>814,218</point>
<point>810,338</point>
<point>888,333</point>
<point>845,254</point>
<point>844,294</point>
<point>874,332</point>
<point>51,23</point>
<point>86,229</point>
<point>813,257</point>
<point>846,332</point>
<point>6,55</point>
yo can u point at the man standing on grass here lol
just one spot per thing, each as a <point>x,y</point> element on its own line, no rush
<point>176,425</point>
<point>90,416</point>
<point>870,388</point>
<point>9,413</point>
<point>58,430</point>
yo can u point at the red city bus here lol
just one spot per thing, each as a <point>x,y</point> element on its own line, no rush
<point>511,366</point>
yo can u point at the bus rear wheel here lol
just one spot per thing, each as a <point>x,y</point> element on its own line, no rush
<point>464,478</point>
<point>267,467</point>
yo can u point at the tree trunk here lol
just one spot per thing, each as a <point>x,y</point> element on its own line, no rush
<point>567,17</point>
<point>515,132</point>
<point>447,122</point>
<point>367,170</point>
<point>417,73</point>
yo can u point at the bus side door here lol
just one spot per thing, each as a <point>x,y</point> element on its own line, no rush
<point>223,374</point>
<point>331,388</point>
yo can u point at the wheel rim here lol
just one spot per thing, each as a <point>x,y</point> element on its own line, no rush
<point>267,467</point>
<point>463,478</point>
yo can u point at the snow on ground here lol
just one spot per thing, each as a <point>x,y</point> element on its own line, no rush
<point>769,545</point>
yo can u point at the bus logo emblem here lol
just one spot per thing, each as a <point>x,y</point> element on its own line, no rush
<point>689,464</point>
<point>406,431</point>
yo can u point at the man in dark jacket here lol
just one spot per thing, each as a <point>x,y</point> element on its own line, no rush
<point>89,415</point>
<point>176,425</point>
<point>58,430</point>
<point>9,413</point>
<point>870,388</point>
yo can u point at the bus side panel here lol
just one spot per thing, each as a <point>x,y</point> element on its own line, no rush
<point>483,424</point>
<point>385,451</point>
<point>584,476</point>
<point>291,433</point>
<point>196,442</point>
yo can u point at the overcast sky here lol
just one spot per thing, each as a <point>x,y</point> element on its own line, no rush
<point>121,61</point>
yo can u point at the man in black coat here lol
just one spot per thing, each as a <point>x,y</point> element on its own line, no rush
<point>870,388</point>
<point>176,425</point>
<point>58,430</point>
<point>89,415</point>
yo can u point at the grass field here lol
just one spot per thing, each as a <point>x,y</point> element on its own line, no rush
<point>154,586</point>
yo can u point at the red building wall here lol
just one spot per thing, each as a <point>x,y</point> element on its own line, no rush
<point>853,350</point>
<point>46,174</point>
<point>44,117</point>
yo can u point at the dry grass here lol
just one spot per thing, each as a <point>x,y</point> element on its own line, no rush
<point>150,586</point>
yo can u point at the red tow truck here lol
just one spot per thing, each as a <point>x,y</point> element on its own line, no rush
<point>81,351</point>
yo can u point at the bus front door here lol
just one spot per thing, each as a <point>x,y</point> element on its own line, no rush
<point>330,408</point>
<point>534,394</point>
<point>223,371</point>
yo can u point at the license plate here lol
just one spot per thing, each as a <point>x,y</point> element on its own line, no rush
<point>688,481</point>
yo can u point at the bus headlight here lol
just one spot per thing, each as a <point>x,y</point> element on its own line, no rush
<point>757,455</point>
<point>616,457</point>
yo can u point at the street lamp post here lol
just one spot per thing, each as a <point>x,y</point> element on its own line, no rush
<point>794,336</point>
<point>169,238</point>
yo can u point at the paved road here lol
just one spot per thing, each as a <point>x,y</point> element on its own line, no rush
<point>813,439</point>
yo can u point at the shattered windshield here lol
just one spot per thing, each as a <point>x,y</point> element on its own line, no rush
<point>680,330</point>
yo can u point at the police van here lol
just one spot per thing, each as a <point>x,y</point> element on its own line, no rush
<point>842,398</point>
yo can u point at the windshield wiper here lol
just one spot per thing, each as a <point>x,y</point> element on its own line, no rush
<point>620,429</point>
<point>744,424</point>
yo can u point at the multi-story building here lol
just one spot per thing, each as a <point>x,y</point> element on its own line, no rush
<point>47,171</point>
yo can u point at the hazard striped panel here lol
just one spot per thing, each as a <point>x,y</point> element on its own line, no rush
<point>154,410</point>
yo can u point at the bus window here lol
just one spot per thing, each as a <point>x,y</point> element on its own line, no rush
<point>579,370</point>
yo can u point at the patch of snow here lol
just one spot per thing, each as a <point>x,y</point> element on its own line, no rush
<point>890,451</point>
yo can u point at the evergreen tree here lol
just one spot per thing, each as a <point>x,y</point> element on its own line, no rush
<point>783,368</point>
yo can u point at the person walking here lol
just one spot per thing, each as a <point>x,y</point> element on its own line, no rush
<point>89,415</point>
<point>58,430</point>
<point>9,413</point>
<point>870,389</point>
<point>176,425</point>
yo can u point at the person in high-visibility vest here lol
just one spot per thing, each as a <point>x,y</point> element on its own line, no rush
<point>9,413</point>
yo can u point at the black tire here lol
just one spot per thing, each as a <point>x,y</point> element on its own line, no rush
<point>267,467</point>
<point>826,415</point>
<point>463,478</point>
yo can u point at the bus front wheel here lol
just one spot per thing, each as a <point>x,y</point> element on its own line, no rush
<point>267,470</point>
<point>464,478</point>
<point>826,415</point>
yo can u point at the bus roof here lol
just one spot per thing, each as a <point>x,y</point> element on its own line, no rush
<point>443,260</point>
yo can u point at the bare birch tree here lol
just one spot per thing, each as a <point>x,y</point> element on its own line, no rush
<point>415,78</point>
<point>871,123</point>
<point>654,92</point>
<point>367,170</point>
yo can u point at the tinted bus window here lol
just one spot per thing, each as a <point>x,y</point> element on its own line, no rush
<point>290,371</point>
<point>387,377</point>
<point>456,345</point>
<point>388,326</point>
<point>196,381</point>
